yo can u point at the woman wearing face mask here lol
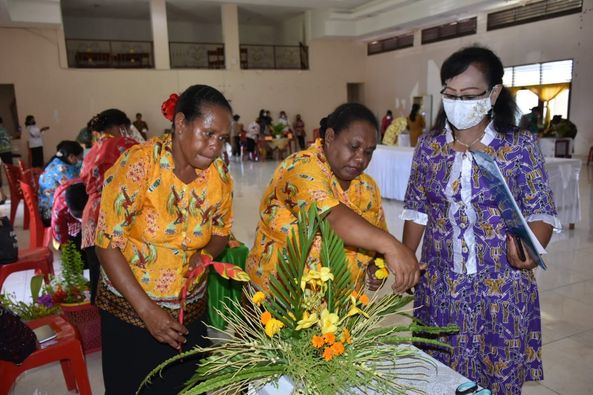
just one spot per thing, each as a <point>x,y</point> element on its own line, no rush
<point>331,174</point>
<point>110,129</point>
<point>63,166</point>
<point>474,276</point>
<point>165,204</point>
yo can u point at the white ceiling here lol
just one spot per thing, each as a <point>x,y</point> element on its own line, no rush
<point>361,19</point>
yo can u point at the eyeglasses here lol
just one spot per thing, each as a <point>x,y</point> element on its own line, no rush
<point>464,97</point>
<point>209,135</point>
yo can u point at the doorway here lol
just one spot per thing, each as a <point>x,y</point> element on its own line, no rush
<point>355,92</point>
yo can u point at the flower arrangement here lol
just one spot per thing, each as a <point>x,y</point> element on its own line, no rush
<point>41,306</point>
<point>397,127</point>
<point>314,327</point>
<point>70,286</point>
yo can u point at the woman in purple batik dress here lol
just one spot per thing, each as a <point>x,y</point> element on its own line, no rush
<point>474,277</point>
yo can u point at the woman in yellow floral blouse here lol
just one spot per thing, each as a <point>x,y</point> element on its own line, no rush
<point>330,173</point>
<point>165,203</point>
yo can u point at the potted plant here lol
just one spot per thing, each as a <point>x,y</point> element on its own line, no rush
<point>277,130</point>
<point>70,287</point>
<point>40,306</point>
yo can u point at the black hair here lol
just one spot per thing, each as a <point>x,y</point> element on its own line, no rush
<point>505,110</point>
<point>65,148</point>
<point>29,120</point>
<point>107,119</point>
<point>76,197</point>
<point>236,117</point>
<point>414,112</point>
<point>346,114</point>
<point>322,127</point>
<point>138,115</point>
<point>194,98</point>
<point>1,120</point>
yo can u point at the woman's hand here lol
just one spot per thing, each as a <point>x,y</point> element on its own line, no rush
<point>513,255</point>
<point>403,264</point>
<point>163,327</point>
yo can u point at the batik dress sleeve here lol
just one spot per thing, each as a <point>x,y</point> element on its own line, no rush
<point>415,201</point>
<point>122,197</point>
<point>532,190</point>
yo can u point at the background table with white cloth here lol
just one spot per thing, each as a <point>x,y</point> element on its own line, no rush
<point>391,166</point>
<point>563,176</point>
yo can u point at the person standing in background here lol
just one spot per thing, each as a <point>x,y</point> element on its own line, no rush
<point>35,141</point>
<point>236,129</point>
<point>416,124</point>
<point>5,153</point>
<point>386,121</point>
<point>141,126</point>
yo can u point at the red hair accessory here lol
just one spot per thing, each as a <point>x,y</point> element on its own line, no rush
<point>168,106</point>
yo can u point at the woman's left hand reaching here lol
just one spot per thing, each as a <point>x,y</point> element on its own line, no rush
<point>513,255</point>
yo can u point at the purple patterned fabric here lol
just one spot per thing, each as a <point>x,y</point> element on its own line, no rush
<point>469,281</point>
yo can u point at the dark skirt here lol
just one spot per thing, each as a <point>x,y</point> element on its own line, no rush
<point>130,353</point>
<point>37,157</point>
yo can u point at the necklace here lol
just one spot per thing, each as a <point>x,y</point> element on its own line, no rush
<point>468,146</point>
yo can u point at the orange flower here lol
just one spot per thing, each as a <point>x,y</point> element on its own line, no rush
<point>364,299</point>
<point>354,294</point>
<point>317,341</point>
<point>338,348</point>
<point>265,317</point>
<point>329,338</point>
<point>328,354</point>
<point>346,338</point>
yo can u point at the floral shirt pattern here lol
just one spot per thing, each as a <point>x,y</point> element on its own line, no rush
<point>159,222</point>
<point>469,281</point>
<point>5,143</point>
<point>104,153</point>
<point>56,173</point>
<point>301,179</point>
<point>63,224</point>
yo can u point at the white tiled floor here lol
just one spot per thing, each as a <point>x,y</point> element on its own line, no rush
<point>566,291</point>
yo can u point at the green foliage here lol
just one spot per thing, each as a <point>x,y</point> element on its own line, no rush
<point>72,267</point>
<point>277,129</point>
<point>27,311</point>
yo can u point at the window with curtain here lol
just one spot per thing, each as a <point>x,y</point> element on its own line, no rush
<point>549,82</point>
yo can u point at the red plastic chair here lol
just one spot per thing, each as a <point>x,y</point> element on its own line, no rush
<point>38,256</point>
<point>31,176</point>
<point>39,235</point>
<point>14,175</point>
<point>65,348</point>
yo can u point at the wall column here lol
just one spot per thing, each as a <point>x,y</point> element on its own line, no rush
<point>230,35</point>
<point>160,34</point>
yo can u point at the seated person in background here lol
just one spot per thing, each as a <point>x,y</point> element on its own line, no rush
<point>561,128</point>
<point>66,220</point>
<point>331,174</point>
<point>63,166</point>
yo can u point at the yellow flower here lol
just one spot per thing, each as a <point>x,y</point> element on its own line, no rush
<point>328,322</point>
<point>317,341</point>
<point>380,274</point>
<point>273,326</point>
<point>258,298</point>
<point>292,317</point>
<point>265,317</point>
<point>355,310</point>
<point>308,321</point>
<point>380,263</point>
<point>316,277</point>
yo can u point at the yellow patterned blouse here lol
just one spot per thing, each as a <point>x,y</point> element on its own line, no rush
<point>159,222</point>
<point>301,179</point>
